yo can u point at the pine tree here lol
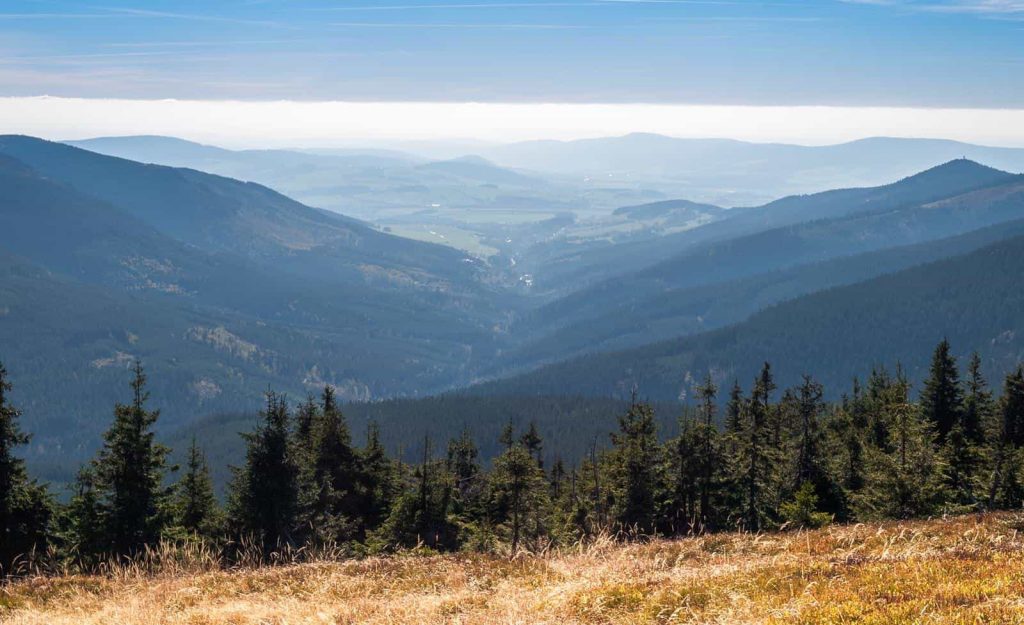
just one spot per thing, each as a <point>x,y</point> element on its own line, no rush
<point>336,509</point>
<point>264,501</point>
<point>83,521</point>
<point>979,407</point>
<point>195,504</point>
<point>129,475</point>
<point>464,466</point>
<point>306,417</point>
<point>904,477</point>
<point>533,442</point>
<point>687,471</point>
<point>756,458</point>
<point>636,456</point>
<point>734,409</point>
<point>811,464</point>
<point>421,515</point>
<point>25,508</point>
<point>942,396</point>
<point>709,451</point>
<point>379,477</point>
<point>1006,489</point>
<point>519,488</point>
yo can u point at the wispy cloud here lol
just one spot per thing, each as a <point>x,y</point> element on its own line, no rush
<point>977,7</point>
<point>195,17</point>
<point>523,5</point>
<point>199,44</point>
<point>457,25</point>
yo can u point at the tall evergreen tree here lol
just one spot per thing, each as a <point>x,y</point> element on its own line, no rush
<point>195,504</point>
<point>636,460</point>
<point>709,451</point>
<point>904,477</point>
<point>264,501</point>
<point>756,456</point>
<point>464,467</point>
<point>687,473</point>
<point>25,509</point>
<point>811,466</point>
<point>1006,487</point>
<point>533,442</point>
<point>83,522</point>
<point>734,409</point>
<point>422,514</point>
<point>979,408</point>
<point>519,488</point>
<point>129,474</point>
<point>336,475</point>
<point>942,396</point>
<point>379,480</point>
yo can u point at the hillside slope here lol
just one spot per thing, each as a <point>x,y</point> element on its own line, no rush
<point>222,288</point>
<point>913,211</point>
<point>668,312</point>
<point>974,300</point>
<point>566,268</point>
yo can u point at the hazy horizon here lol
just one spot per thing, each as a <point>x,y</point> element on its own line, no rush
<point>280,124</point>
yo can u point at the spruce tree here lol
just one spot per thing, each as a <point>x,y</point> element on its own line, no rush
<point>734,409</point>
<point>464,466</point>
<point>264,497</point>
<point>533,442</point>
<point>25,508</point>
<point>335,475</point>
<point>979,408</point>
<point>687,471</point>
<point>129,475</point>
<point>82,525</point>
<point>756,457</point>
<point>518,486</point>
<point>636,456</point>
<point>421,515</point>
<point>811,465</point>
<point>195,504</point>
<point>710,462</point>
<point>942,396</point>
<point>903,478</point>
<point>1006,488</point>
<point>379,480</point>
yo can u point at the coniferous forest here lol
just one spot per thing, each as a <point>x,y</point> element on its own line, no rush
<point>750,457</point>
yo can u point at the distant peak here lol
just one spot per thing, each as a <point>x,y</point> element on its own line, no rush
<point>473,159</point>
<point>961,166</point>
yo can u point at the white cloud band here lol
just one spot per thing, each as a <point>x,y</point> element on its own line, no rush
<point>292,123</point>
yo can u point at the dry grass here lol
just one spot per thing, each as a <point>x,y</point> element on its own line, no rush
<point>962,570</point>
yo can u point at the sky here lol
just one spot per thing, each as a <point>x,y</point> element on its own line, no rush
<point>866,65</point>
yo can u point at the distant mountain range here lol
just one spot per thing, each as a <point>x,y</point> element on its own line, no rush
<point>371,184</point>
<point>225,288</point>
<point>724,171</point>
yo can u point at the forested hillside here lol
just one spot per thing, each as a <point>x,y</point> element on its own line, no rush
<point>225,288</point>
<point>768,456</point>
<point>973,299</point>
<point>672,312</point>
<point>568,269</point>
<point>222,287</point>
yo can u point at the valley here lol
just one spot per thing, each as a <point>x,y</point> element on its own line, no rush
<point>528,284</point>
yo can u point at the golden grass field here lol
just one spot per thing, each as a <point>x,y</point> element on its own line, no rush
<point>966,569</point>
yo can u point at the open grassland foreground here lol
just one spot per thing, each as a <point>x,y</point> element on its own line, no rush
<point>967,569</point>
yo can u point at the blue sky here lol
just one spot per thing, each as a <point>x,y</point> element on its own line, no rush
<point>929,53</point>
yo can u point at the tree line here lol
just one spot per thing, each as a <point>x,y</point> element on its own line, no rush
<point>768,459</point>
